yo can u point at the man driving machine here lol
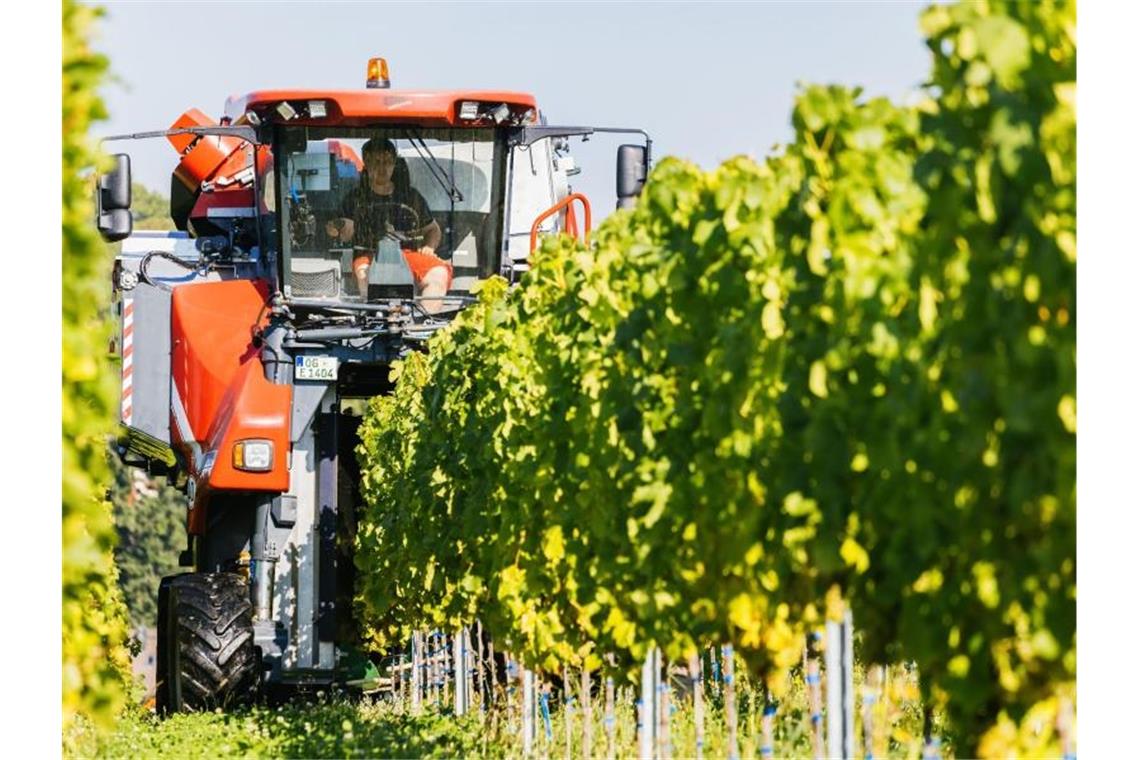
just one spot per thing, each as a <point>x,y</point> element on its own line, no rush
<point>385,204</point>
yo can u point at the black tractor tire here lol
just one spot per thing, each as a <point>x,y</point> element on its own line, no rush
<point>206,657</point>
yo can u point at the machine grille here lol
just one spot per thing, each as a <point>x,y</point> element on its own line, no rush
<point>315,279</point>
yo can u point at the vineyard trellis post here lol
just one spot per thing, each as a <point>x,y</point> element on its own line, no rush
<point>459,671</point>
<point>931,744</point>
<point>871,688</point>
<point>417,670</point>
<point>513,684</point>
<point>664,750</point>
<point>491,665</point>
<point>446,667</point>
<point>815,695</point>
<point>647,705</point>
<point>432,660</point>
<point>839,665</point>
<point>468,667</point>
<point>528,711</point>
<point>728,670</point>
<point>766,747</point>
<point>482,664</point>
<point>544,704</point>
<point>567,717</point>
<point>695,682</point>
<point>610,720</point>
<point>587,717</point>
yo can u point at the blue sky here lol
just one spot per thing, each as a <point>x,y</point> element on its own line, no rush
<point>707,81</point>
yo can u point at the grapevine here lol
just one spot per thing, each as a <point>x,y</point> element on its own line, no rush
<point>843,375</point>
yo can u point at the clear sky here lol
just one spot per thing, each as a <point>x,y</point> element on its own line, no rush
<point>706,80</point>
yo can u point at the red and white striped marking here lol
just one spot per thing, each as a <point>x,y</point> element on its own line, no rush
<point>128,358</point>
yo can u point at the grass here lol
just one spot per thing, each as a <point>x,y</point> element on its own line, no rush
<point>341,727</point>
<point>328,728</point>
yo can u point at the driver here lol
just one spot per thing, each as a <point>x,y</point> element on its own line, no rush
<point>384,202</point>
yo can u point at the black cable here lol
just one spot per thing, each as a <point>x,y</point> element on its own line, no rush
<point>201,268</point>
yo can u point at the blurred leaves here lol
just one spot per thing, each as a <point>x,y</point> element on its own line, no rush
<point>96,665</point>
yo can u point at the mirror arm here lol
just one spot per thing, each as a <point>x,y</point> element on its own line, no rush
<point>527,136</point>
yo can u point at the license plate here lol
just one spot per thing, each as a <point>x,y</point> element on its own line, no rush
<point>315,368</point>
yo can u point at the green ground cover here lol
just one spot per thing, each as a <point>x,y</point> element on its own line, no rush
<point>374,727</point>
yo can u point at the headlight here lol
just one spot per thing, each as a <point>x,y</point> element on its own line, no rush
<point>253,455</point>
<point>469,109</point>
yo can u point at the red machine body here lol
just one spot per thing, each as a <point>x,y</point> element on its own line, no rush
<point>219,394</point>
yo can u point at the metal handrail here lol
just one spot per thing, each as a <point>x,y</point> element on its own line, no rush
<point>564,203</point>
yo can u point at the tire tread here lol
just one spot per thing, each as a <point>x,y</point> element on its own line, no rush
<point>213,633</point>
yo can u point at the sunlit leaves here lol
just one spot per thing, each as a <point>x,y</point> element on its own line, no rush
<point>843,375</point>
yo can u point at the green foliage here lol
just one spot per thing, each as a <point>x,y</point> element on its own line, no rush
<point>387,728</point>
<point>843,375</point>
<point>96,666</point>
<point>150,210</point>
<point>335,728</point>
<point>993,436</point>
<point>151,524</point>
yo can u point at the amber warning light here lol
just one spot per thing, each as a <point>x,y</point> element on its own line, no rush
<point>378,74</point>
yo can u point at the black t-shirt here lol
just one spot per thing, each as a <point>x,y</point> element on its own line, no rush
<point>373,215</point>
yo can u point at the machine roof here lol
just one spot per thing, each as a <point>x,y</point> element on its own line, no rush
<point>358,107</point>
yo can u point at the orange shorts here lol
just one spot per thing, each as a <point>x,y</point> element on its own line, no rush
<point>419,263</point>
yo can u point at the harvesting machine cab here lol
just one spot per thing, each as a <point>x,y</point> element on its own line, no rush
<point>252,336</point>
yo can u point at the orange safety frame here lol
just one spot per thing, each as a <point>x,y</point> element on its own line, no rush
<point>571,219</point>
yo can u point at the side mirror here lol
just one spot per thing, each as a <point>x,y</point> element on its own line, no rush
<point>113,201</point>
<point>631,172</point>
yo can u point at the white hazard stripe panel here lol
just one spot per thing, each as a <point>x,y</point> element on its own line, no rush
<point>128,359</point>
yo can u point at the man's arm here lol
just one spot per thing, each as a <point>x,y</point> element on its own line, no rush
<point>431,232</point>
<point>432,235</point>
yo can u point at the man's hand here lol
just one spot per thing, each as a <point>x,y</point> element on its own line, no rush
<point>340,229</point>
